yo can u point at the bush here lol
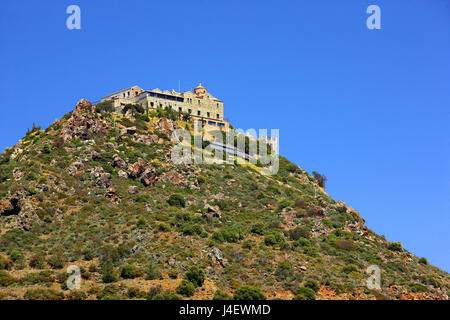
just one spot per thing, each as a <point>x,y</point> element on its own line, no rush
<point>129,271</point>
<point>227,235</point>
<point>258,229</point>
<point>154,291</point>
<point>416,287</point>
<point>167,295</point>
<point>220,295</point>
<point>135,108</point>
<point>434,279</point>
<point>423,261</point>
<point>284,270</point>
<point>274,239</point>
<point>395,246</point>
<point>5,263</point>
<point>312,284</point>
<point>43,294</point>
<point>299,232</point>
<point>152,272</point>
<point>176,200</point>
<point>37,261</point>
<point>108,272</point>
<point>16,255</point>
<point>57,261</point>
<point>191,230</point>
<point>6,279</point>
<point>76,295</point>
<point>195,275</point>
<point>103,107</point>
<point>173,274</point>
<point>249,293</point>
<point>186,288</point>
<point>349,268</point>
<point>304,293</point>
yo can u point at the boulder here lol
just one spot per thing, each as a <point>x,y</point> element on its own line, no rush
<point>96,156</point>
<point>136,168</point>
<point>119,163</point>
<point>149,177</point>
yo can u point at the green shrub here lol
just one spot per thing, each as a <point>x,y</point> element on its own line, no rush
<point>37,261</point>
<point>16,255</point>
<point>284,270</point>
<point>304,293</point>
<point>195,275</point>
<point>299,232</point>
<point>258,228</point>
<point>153,291</point>
<point>227,235</point>
<point>57,260</point>
<point>350,268</point>
<point>176,200</point>
<point>423,261</point>
<point>312,284</point>
<point>186,288</point>
<point>249,293</point>
<point>220,295</point>
<point>173,274</point>
<point>416,287</point>
<point>274,239</point>
<point>5,263</point>
<point>433,279</point>
<point>43,294</point>
<point>6,279</point>
<point>152,272</point>
<point>108,272</point>
<point>104,107</point>
<point>191,230</point>
<point>129,271</point>
<point>167,295</point>
<point>163,227</point>
<point>76,295</point>
<point>395,246</point>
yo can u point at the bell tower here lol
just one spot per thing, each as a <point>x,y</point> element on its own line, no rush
<point>200,91</point>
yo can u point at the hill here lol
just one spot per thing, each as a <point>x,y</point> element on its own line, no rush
<point>98,190</point>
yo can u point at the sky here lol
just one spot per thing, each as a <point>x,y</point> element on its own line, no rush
<point>369,108</point>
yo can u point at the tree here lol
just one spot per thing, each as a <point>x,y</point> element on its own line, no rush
<point>186,288</point>
<point>195,275</point>
<point>104,107</point>
<point>321,179</point>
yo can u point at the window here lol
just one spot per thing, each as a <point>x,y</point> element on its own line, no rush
<point>198,101</point>
<point>208,114</point>
<point>218,116</point>
<point>190,110</point>
<point>179,109</point>
<point>217,105</point>
<point>151,104</point>
<point>198,112</point>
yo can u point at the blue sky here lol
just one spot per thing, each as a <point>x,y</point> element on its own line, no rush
<point>368,108</point>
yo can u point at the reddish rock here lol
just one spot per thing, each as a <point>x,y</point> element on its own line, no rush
<point>136,168</point>
<point>83,106</point>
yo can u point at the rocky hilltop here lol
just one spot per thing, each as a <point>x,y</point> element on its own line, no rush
<point>98,190</point>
